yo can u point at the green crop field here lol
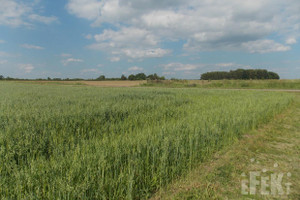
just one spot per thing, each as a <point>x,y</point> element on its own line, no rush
<point>80,142</point>
<point>227,84</point>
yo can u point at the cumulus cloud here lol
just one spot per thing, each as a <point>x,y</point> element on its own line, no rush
<point>30,46</point>
<point>291,41</point>
<point>16,13</point>
<point>264,46</point>
<point>71,60</point>
<point>27,68</point>
<point>204,25</point>
<point>131,42</point>
<point>147,53</point>
<point>180,67</point>
<point>88,9</point>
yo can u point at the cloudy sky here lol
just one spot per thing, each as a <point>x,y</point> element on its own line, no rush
<point>174,38</point>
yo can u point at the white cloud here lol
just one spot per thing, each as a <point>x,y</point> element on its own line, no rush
<point>135,69</point>
<point>30,46</point>
<point>134,43</point>
<point>148,53</point>
<point>180,67</point>
<point>27,68</point>
<point>291,41</point>
<point>114,59</point>
<point>71,60</point>
<point>125,35</point>
<point>16,13</point>
<point>88,9</point>
<point>265,46</point>
<point>43,19</point>
<point>11,12</point>
<point>2,41</point>
<point>205,25</point>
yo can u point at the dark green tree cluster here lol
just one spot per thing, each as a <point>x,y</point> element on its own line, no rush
<point>142,76</point>
<point>101,78</point>
<point>243,74</point>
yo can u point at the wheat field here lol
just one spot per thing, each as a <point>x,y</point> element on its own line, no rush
<point>72,142</point>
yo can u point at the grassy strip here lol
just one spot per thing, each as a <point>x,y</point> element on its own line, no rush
<point>227,84</point>
<point>276,143</point>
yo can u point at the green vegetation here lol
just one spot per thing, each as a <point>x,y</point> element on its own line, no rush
<point>220,178</point>
<point>142,76</point>
<point>228,84</point>
<point>242,74</point>
<point>62,142</point>
<point>131,77</point>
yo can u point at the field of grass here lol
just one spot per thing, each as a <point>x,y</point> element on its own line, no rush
<point>59,142</point>
<point>273,147</point>
<point>228,84</point>
<point>88,83</point>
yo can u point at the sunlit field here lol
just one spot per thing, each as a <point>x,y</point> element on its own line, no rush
<point>78,142</point>
<point>229,84</point>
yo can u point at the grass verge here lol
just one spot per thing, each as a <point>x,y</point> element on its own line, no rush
<point>271,149</point>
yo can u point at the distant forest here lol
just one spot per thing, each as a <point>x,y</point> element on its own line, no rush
<point>245,74</point>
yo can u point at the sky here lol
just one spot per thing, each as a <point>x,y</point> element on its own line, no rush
<point>174,38</point>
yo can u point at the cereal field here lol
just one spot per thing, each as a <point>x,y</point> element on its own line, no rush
<point>78,142</point>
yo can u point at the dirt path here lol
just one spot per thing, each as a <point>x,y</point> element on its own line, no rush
<point>271,151</point>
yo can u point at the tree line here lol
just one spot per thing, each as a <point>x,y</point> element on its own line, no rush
<point>245,74</point>
<point>131,77</point>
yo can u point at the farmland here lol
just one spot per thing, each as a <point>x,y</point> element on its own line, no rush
<point>78,142</point>
<point>205,84</point>
<point>228,84</point>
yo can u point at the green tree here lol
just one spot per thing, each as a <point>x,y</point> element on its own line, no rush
<point>123,77</point>
<point>101,78</point>
<point>273,75</point>
<point>140,76</point>
<point>1,77</point>
<point>240,74</point>
<point>131,77</point>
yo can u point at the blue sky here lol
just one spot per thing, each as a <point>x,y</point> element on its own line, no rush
<point>174,38</point>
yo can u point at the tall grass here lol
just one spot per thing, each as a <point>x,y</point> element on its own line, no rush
<point>229,84</point>
<point>62,142</point>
